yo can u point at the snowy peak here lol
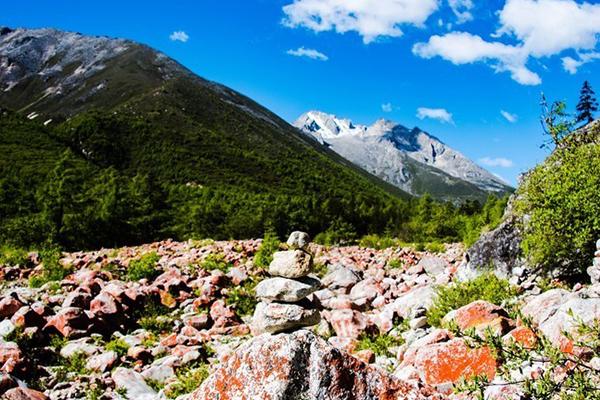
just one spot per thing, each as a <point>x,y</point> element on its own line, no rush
<point>395,153</point>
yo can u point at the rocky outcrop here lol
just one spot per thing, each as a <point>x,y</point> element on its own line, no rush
<point>301,366</point>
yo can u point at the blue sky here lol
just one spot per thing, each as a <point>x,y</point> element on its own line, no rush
<point>464,63</point>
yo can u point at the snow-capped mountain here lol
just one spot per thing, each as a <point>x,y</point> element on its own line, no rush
<point>410,159</point>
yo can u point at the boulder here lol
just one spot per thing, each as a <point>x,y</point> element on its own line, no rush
<point>80,346</point>
<point>11,357</point>
<point>541,307</point>
<point>27,317</point>
<point>433,265</point>
<point>71,322</point>
<point>286,290</point>
<point>102,362</point>
<point>134,384</point>
<point>347,323</point>
<point>105,305</point>
<point>291,264</point>
<point>340,277</point>
<point>222,314</point>
<point>300,366</point>
<point>481,316</point>
<point>21,393</point>
<point>8,306</point>
<point>6,382</point>
<point>279,317</point>
<point>78,298</point>
<point>298,240</point>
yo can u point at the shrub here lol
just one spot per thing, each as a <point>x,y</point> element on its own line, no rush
<point>188,380</point>
<point>11,255</point>
<point>270,245</point>
<point>144,267</point>
<point>52,269</point>
<point>395,263</point>
<point>155,317</point>
<point>216,261</point>
<point>450,297</point>
<point>560,198</point>
<point>243,298</point>
<point>435,247</point>
<point>378,344</point>
<point>119,346</point>
<point>378,242</point>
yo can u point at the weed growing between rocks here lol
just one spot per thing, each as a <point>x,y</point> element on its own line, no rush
<point>243,298</point>
<point>143,267</point>
<point>117,345</point>
<point>264,255</point>
<point>216,262</point>
<point>487,287</point>
<point>52,270</point>
<point>189,379</point>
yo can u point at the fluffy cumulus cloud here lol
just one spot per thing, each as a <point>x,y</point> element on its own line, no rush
<point>309,53</point>
<point>540,28</point>
<point>439,114</point>
<point>496,162</point>
<point>179,36</point>
<point>369,18</point>
<point>462,10</point>
<point>512,118</point>
<point>387,107</point>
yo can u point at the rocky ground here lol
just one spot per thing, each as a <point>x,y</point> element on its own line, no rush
<point>154,321</point>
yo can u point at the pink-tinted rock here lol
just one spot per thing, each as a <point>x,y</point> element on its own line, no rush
<point>6,382</point>
<point>70,322</point>
<point>78,298</point>
<point>200,321</point>
<point>20,393</point>
<point>9,306</point>
<point>347,323</point>
<point>11,357</point>
<point>105,305</point>
<point>300,365</point>
<point>102,362</point>
<point>222,314</point>
<point>26,317</point>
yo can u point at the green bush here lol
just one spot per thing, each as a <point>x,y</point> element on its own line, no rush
<point>11,255</point>
<point>243,298</point>
<point>188,380</point>
<point>450,297</point>
<point>435,247</point>
<point>378,242</point>
<point>378,344</point>
<point>143,267</point>
<point>119,346</point>
<point>216,261</point>
<point>270,245</point>
<point>560,198</point>
<point>52,269</point>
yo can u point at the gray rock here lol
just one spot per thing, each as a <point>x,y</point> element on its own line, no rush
<point>6,328</point>
<point>102,362</point>
<point>433,265</point>
<point>291,264</point>
<point>278,317</point>
<point>286,290</point>
<point>298,240</point>
<point>80,346</point>
<point>134,384</point>
<point>159,373</point>
<point>340,278</point>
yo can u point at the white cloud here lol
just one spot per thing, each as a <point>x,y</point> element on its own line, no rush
<point>387,107</point>
<point>496,162</point>
<point>542,28</point>
<point>439,114</point>
<point>462,10</point>
<point>465,48</point>
<point>179,36</point>
<point>512,118</point>
<point>310,53</point>
<point>371,19</point>
<point>571,65</point>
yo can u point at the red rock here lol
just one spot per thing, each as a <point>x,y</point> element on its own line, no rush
<point>105,305</point>
<point>366,356</point>
<point>448,362</point>
<point>347,323</point>
<point>26,317</point>
<point>300,365</point>
<point>6,382</point>
<point>222,314</point>
<point>139,353</point>
<point>8,306</point>
<point>70,322</point>
<point>169,341</point>
<point>10,357</point>
<point>78,298</point>
<point>481,315</point>
<point>20,393</point>
<point>522,335</point>
<point>200,321</point>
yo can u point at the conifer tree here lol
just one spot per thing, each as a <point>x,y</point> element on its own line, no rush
<point>587,104</point>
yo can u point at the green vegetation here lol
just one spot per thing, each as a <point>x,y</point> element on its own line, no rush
<point>155,317</point>
<point>243,298</point>
<point>52,269</point>
<point>216,261</point>
<point>379,344</point>
<point>559,198</point>
<point>143,267</point>
<point>189,379</point>
<point>395,263</point>
<point>270,245</point>
<point>119,346</point>
<point>11,255</point>
<point>450,297</point>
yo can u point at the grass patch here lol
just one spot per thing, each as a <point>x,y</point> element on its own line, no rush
<point>143,267</point>
<point>189,379</point>
<point>395,263</point>
<point>52,269</point>
<point>10,255</point>
<point>216,261</point>
<point>378,344</point>
<point>119,346</point>
<point>243,298</point>
<point>450,297</point>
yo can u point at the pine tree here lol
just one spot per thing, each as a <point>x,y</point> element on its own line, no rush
<point>587,104</point>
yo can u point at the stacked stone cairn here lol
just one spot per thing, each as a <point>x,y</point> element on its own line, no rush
<point>283,305</point>
<point>594,270</point>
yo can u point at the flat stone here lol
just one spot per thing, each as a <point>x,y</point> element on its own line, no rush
<point>286,290</point>
<point>278,317</point>
<point>291,264</point>
<point>340,278</point>
<point>134,384</point>
<point>102,362</point>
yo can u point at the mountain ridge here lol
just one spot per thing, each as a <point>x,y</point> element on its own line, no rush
<point>393,152</point>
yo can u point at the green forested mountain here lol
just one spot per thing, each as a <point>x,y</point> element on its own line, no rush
<point>106,142</point>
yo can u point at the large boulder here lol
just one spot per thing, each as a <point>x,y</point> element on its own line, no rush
<point>286,290</point>
<point>291,264</point>
<point>279,317</point>
<point>300,366</point>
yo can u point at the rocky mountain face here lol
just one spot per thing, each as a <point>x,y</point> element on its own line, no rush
<point>101,329</point>
<point>410,159</point>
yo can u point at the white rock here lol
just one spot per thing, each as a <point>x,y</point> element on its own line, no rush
<point>340,278</point>
<point>433,265</point>
<point>134,384</point>
<point>102,362</point>
<point>278,317</point>
<point>79,346</point>
<point>286,290</point>
<point>6,328</point>
<point>291,264</point>
<point>298,240</point>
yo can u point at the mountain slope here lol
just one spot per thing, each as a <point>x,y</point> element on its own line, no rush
<point>412,160</point>
<point>116,120</point>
